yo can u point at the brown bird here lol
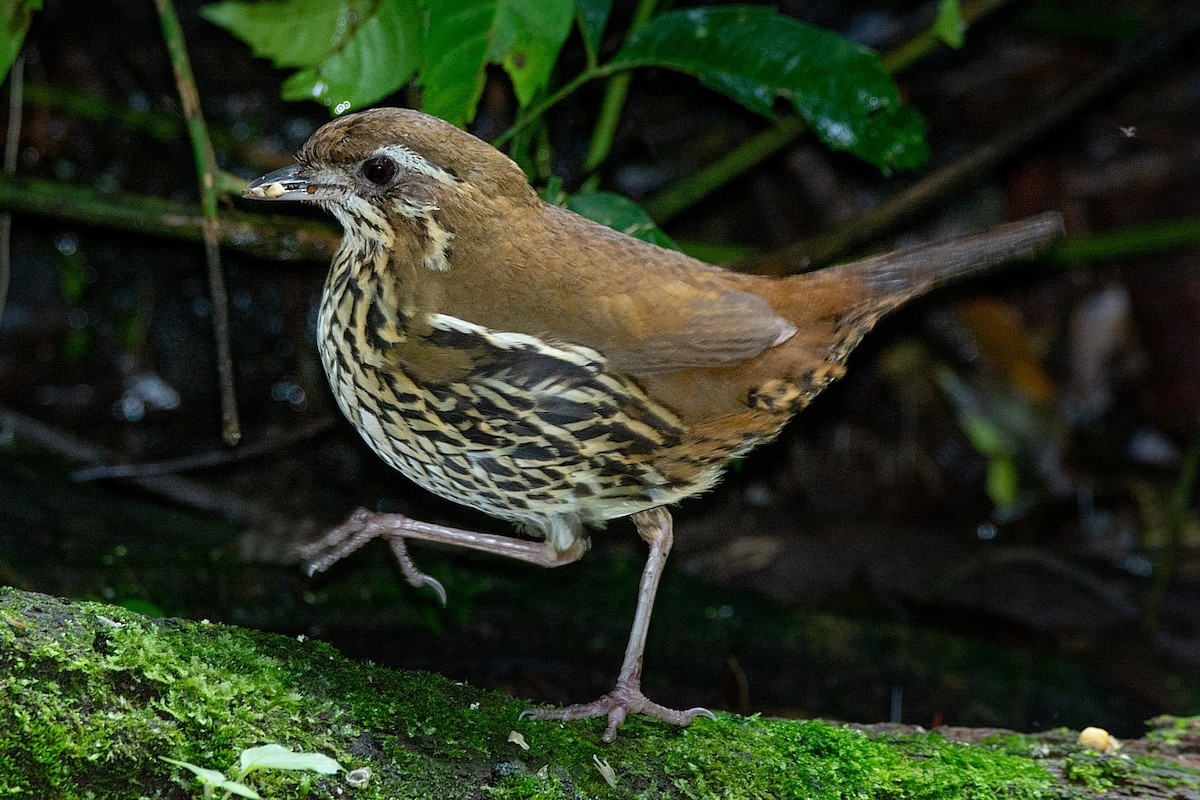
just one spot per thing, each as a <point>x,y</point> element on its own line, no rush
<point>511,356</point>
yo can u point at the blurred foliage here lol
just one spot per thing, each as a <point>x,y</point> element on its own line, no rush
<point>15,16</point>
<point>757,56</point>
<point>354,53</point>
<point>350,54</point>
<point>949,25</point>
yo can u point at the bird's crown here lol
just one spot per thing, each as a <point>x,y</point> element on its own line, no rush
<point>385,145</point>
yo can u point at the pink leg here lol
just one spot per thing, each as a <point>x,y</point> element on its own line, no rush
<point>363,526</point>
<point>654,526</point>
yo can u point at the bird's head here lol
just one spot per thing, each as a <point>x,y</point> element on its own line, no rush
<point>382,166</point>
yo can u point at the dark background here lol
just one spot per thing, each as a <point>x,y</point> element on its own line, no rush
<point>856,569</point>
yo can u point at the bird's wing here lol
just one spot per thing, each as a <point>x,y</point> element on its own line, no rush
<point>563,279</point>
<point>693,326</point>
<point>646,310</point>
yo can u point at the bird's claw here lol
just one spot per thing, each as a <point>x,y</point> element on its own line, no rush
<point>617,705</point>
<point>412,573</point>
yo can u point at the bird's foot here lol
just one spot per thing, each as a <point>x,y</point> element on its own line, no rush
<point>623,700</point>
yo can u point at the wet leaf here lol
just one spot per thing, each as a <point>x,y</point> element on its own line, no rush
<point>464,36</point>
<point>758,56</point>
<point>350,53</point>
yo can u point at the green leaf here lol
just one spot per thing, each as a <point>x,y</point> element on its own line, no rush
<point>1002,482</point>
<point>292,33</point>
<point>463,36</point>
<point>16,17</point>
<point>276,756</point>
<point>985,435</point>
<point>381,55</point>
<point>949,25</point>
<point>619,213</point>
<point>757,56</point>
<point>593,17</point>
<point>215,779</point>
<point>351,53</point>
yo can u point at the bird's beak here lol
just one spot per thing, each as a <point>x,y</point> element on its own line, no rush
<point>282,184</point>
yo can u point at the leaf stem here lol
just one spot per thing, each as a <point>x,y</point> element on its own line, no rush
<point>612,105</point>
<point>683,194</point>
<point>906,54</point>
<point>615,95</point>
<point>538,109</point>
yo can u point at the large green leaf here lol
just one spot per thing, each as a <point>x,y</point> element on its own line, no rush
<point>14,22</point>
<point>351,52</point>
<point>382,54</point>
<point>292,33</point>
<point>758,56</point>
<point>463,36</point>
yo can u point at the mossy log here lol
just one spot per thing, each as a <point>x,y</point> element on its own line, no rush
<point>94,697</point>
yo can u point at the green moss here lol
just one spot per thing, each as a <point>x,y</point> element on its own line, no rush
<point>1171,730</point>
<point>1098,772</point>
<point>91,696</point>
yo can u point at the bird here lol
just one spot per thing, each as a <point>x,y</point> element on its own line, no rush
<point>504,353</point>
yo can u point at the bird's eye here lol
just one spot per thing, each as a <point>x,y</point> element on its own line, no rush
<point>379,170</point>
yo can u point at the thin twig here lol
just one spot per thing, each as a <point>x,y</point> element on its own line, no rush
<point>12,141</point>
<point>203,460</point>
<point>907,204</point>
<point>1134,241</point>
<point>206,170</point>
<point>172,487</point>
<point>1023,558</point>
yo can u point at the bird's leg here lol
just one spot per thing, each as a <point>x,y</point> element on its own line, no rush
<point>362,526</point>
<point>654,526</point>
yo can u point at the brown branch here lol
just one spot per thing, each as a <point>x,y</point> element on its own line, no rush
<point>184,491</point>
<point>203,460</point>
<point>12,142</point>
<point>276,237</point>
